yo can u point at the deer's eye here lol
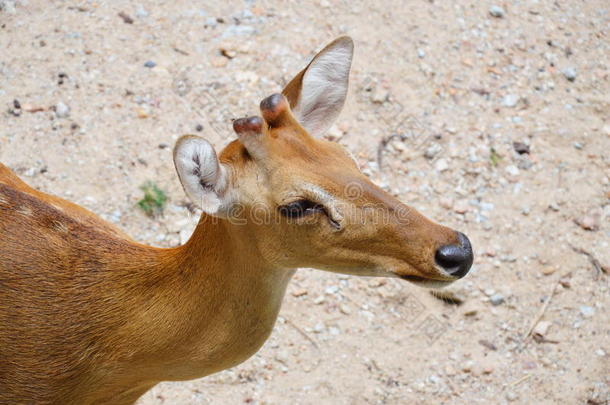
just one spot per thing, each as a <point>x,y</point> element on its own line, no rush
<point>300,208</point>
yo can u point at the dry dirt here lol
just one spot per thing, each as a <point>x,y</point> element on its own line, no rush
<point>456,85</point>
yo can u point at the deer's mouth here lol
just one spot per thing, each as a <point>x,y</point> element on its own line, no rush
<point>426,282</point>
<point>414,279</point>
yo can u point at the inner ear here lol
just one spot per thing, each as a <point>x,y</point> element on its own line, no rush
<point>317,94</point>
<point>203,178</point>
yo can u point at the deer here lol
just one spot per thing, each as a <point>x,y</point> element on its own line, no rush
<point>89,316</point>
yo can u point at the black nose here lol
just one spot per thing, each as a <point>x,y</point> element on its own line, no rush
<point>455,259</point>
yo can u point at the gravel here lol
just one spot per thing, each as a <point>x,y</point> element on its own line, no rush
<point>8,6</point>
<point>569,73</point>
<point>496,11</point>
<point>587,311</point>
<point>510,100</point>
<point>521,147</point>
<point>512,170</point>
<point>590,221</point>
<point>484,81</point>
<point>433,150</point>
<point>441,165</point>
<point>62,110</point>
<point>496,299</point>
<point>141,12</point>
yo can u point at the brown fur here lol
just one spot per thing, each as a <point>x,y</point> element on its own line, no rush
<point>88,317</point>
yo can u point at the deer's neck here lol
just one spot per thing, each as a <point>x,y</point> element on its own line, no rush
<point>214,304</point>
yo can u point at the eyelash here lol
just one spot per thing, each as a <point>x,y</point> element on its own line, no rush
<point>300,208</point>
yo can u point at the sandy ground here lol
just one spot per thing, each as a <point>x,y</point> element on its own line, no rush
<point>455,84</point>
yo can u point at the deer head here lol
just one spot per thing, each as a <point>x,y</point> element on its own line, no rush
<point>301,201</point>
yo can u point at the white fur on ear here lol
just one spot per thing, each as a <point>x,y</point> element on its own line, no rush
<point>203,178</point>
<point>324,87</point>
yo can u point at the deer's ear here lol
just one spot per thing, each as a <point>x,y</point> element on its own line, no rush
<point>203,178</point>
<point>317,94</point>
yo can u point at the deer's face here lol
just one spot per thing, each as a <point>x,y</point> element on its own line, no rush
<point>303,199</point>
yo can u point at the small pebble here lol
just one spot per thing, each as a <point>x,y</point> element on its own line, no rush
<point>441,165</point>
<point>16,110</point>
<point>334,134</point>
<point>344,309</point>
<point>299,293</point>
<point>8,6</point>
<point>590,221</point>
<point>547,271</point>
<point>461,207</point>
<point>445,202</point>
<point>141,113</point>
<point>512,170</point>
<point>521,148</point>
<point>565,283</point>
<point>467,366</point>
<point>488,344</point>
<point>510,100</point>
<point>545,361</point>
<point>62,110</point>
<point>141,12</point>
<point>486,206</point>
<point>432,151</point>
<point>379,96</point>
<point>587,311</point>
<point>496,11</point>
<point>319,300</point>
<point>126,18</point>
<point>150,64</point>
<point>569,73</point>
<point>333,289</point>
<point>211,22</point>
<point>471,310</point>
<point>496,299</point>
<point>541,329</point>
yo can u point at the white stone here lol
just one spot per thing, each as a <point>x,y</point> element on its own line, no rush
<point>510,100</point>
<point>512,170</point>
<point>496,11</point>
<point>62,110</point>
<point>441,165</point>
<point>587,311</point>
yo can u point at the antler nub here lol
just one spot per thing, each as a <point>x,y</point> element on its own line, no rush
<point>248,125</point>
<point>275,110</point>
